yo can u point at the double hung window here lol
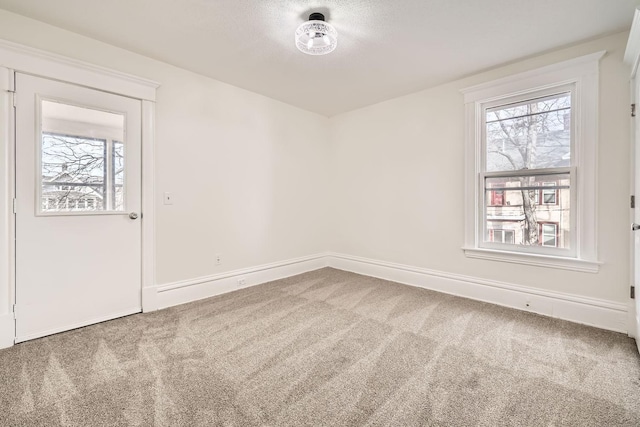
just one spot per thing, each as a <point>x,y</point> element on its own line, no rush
<point>527,146</point>
<point>531,167</point>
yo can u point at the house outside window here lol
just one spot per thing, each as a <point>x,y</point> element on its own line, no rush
<point>497,197</point>
<point>548,234</point>
<point>531,162</point>
<point>502,236</point>
<point>549,195</point>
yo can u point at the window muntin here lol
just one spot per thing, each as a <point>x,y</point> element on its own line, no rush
<point>527,147</point>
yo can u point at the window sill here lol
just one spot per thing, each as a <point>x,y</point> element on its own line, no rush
<point>536,260</point>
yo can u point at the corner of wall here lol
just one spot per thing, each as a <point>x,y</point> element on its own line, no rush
<point>171,294</point>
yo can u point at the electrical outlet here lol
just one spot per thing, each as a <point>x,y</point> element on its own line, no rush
<point>218,259</point>
<point>168,198</point>
<point>242,282</point>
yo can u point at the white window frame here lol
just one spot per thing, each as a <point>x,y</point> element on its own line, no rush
<point>581,74</point>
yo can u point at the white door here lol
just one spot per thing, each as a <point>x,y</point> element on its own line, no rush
<point>78,185</point>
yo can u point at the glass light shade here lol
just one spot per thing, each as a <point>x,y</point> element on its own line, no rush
<point>316,38</point>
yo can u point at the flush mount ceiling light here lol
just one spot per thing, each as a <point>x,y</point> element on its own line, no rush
<point>316,37</point>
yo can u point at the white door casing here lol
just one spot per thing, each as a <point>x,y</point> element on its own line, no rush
<point>75,265</point>
<point>17,57</point>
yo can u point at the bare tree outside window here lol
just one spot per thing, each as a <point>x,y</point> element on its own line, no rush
<point>81,174</point>
<point>528,146</point>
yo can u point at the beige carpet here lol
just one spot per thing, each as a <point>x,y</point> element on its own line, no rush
<point>325,348</point>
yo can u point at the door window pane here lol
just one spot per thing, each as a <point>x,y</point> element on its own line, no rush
<point>81,158</point>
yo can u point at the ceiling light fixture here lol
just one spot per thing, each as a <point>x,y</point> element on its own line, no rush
<point>316,37</point>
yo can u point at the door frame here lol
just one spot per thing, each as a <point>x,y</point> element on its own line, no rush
<point>632,58</point>
<point>632,320</point>
<point>19,58</point>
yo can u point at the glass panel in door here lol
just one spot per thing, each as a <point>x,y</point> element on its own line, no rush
<point>81,159</point>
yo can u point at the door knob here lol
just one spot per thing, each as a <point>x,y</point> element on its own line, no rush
<point>635,227</point>
<point>133,215</point>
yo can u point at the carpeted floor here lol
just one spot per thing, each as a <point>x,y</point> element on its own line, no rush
<point>325,348</point>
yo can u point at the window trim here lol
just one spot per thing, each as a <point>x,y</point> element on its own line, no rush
<point>582,73</point>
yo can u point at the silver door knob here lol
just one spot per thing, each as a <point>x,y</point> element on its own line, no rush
<point>635,227</point>
<point>133,215</point>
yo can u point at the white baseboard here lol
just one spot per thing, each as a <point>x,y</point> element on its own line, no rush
<point>7,330</point>
<point>171,294</point>
<point>589,311</point>
<point>603,314</point>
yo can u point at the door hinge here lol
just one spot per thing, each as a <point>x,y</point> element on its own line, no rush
<point>633,202</point>
<point>633,110</point>
<point>13,95</point>
<point>15,311</point>
<point>15,203</point>
<point>632,293</point>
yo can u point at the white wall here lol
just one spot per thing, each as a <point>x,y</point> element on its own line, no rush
<point>247,172</point>
<point>398,181</point>
<point>258,181</point>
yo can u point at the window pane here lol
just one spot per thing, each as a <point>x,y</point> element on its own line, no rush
<point>501,236</point>
<point>72,170</point>
<point>82,162</point>
<point>532,135</point>
<point>524,219</point>
<point>508,236</point>
<point>548,197</point>
<point>549,235</point>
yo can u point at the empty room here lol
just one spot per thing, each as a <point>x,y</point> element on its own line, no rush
<point>319,213</point>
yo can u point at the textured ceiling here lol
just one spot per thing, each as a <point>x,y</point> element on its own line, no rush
<point>385,48</point>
